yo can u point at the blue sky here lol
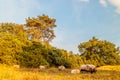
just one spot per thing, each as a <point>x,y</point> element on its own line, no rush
<point>77,20</point>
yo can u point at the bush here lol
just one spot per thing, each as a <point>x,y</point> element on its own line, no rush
<point>32,56</point>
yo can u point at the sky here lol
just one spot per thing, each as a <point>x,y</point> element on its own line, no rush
<point>77,20</point>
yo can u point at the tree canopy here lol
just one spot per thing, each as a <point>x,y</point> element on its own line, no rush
<point>41,28</point>
<point>99,52</point>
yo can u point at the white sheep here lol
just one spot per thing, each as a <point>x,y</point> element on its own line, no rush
<point>16,66</point>
<point>75,71</point>
<point>61,68</point>
<point>42,67</point>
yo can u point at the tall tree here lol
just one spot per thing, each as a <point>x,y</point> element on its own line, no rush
<point>40,28</point>
<point>99,52</point>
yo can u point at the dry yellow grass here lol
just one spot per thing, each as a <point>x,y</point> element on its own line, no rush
<point>114,68</point>
<point>103,73</point>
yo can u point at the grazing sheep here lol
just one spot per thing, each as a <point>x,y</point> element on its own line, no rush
<point>75,71</point>
<point>61,68</point>
<point>42,67</point>
<point>16,66</point>
<point>88,68</point>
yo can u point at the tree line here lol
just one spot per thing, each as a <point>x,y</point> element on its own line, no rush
<point>29,46</point>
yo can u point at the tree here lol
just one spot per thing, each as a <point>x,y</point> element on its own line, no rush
<point>40,28</point>
<point>99,52</point>
<point>12,39</point>
<point>11,28</point>
<point>15,29</point>
<point>9,46</point>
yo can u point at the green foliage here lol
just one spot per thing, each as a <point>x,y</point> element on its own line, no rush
<point>99,52</point>
<point>32,56</point>
<point>55,58</point>
<point>37,54</point>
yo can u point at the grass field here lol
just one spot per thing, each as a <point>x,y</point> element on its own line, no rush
<point>103,73</point>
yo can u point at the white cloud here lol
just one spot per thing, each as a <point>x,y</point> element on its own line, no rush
<point>103,3</point>
<point>116,3</point>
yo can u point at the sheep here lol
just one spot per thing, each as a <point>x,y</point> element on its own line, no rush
<point>88,68</point>
<point>75,71</point>
<point>41,67</point>
<point>16,66</point>
<point>61,68</point>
